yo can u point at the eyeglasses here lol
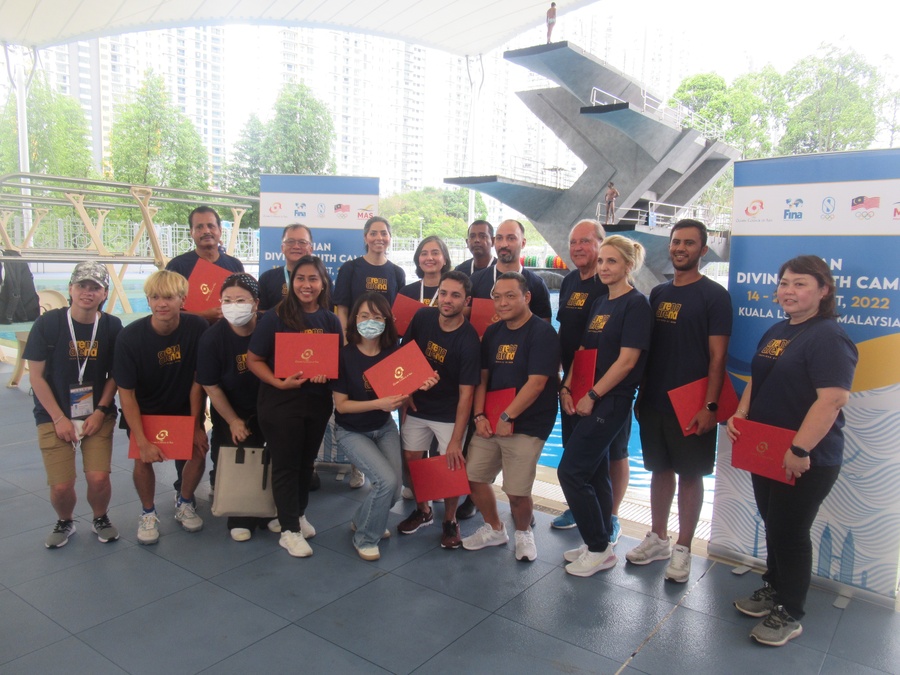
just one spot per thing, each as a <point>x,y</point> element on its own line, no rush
<point>365,316</point>
<point>238,301</point>
<point>295,242</point>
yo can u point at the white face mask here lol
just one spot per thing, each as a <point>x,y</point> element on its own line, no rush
<point>238,314</point>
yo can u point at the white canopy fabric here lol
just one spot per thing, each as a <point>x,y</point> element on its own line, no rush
<point>461,27</point>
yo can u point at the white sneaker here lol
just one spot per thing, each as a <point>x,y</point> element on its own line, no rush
<point>575,553</point>
<point>357,477</point>
<point>148,529</point>
<point>368,553</point>
<point>590,562</point>
<point>240,533</point>
<point>525,548</point>
<point>306,528</point>
<point>486,536</point>
<point>186,514</point>
<point>295,544</point>
<point>407,493</point>
<point>679,568</point>
<point>652,548</point>
<point>274,526</point>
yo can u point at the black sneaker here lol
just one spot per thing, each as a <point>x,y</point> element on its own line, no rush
<point>450,537</point>
<point>758,604</point>
<point>315,482</point>
<point>60,535</point>
<point>416,520</point>
<point>466,510</point>
<point>104,529</point>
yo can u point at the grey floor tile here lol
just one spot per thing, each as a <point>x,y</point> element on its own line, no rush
<point>69,656</point>
<point>23,629</point>
<point>24,557</point>
<point>24,513</point>
<point>330,507</point>
<point>410,623</point>
<point>184,632</point>
<point>488,578</point>
<point>8,490</point>
<point>293,650</point>
<point>498,645</point>
<point>674,648</point>
<point>650,579</point>
<point>835,666</point>
<point>867,634</point>
<point>317,581</point>
<point>88,594</point>
<point>588,612</point>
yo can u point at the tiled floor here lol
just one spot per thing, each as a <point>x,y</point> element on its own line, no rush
<point>202,603</point>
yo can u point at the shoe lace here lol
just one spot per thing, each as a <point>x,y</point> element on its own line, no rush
<point>61,526</point>
<point>778,618</point>
<point>102,521</point>
<point>148,521</point>
<point>764,593</point>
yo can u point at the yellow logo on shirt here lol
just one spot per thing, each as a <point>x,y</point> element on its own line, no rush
<point>577,300</point>
<point>436,352</point>
<point>241,362</point>
<point>376,284</point>
<point>668,311</point>
<point>314,330</point>
<point>775,348</point>
<point>284,290</point>
<point>169,355</point>
<point>598,323</point>
<point>506,352</point>
<point>85,349</point>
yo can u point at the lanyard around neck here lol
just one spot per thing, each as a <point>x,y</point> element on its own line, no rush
<point>82,366</point>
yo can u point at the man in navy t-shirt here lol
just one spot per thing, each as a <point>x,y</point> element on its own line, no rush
<point>296,242</point>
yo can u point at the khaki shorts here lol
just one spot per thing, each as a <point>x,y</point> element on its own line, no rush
<point>59,456</point>
<point>516,455</point>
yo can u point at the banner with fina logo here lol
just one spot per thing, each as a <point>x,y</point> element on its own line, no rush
<point>844,208</point>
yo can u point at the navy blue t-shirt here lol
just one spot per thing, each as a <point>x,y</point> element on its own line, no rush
<point>420,293</point>
<point>359,276</point>
<point>455,355</point>
<point>262,342</point>
<point>50,341</point>
<point>790,363</point>
<point>272,288</point>
<point>483,283</point>
<point>576,297</point>
<point>352,382</point>
<point>684,318</point>
<point>468,267</point>
<point>511,356</point>
<point>159,368</point>
<point>625,321</point>
<point>184,264</point>
<point>222,361</point>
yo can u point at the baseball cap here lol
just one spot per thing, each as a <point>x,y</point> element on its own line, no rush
<point>90,271</point>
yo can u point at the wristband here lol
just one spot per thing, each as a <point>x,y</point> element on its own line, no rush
<point>481,414</point>
<point>565,390</point>
<point>593,395</point>
<point>799,452</point>
<point>58,420</point>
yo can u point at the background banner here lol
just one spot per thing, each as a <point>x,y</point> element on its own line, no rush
<point>844,208</point>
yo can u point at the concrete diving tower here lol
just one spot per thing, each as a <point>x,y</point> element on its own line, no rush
<point>622,134</point>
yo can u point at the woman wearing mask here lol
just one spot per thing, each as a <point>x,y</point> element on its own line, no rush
<point>294,411</point>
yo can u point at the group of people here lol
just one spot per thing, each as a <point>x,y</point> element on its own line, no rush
<point>489,405</point>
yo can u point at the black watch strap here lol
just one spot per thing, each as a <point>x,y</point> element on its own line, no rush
<point>799,452</point>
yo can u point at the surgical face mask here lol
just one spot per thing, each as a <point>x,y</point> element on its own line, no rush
<point>238,313</point>
<point>370,329</point>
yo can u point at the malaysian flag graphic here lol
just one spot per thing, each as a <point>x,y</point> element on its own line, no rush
<point>865,203</point>
<point>342,208</point>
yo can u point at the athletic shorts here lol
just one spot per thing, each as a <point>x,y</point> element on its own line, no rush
<point>59,455</point>
<point>666,448</point>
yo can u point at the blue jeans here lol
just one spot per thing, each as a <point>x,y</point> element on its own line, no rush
<point>376,454</point>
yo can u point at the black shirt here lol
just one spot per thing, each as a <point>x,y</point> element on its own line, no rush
<point>576,297</point>
<point>483,283</point>
<point>184,264</point>
<point>222,361</point>
<point>359,276</point>
<point>352,382</point>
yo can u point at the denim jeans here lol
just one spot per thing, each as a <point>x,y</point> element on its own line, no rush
<point>376,454</point>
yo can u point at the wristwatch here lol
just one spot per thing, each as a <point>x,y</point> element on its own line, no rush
<point>506,418</point>
<point>106,409</point>
<point>593,395</point>
<point>712,406</point>
<point>799,452</point>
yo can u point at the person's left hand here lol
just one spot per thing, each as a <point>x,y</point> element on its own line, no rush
<point>702,422</point>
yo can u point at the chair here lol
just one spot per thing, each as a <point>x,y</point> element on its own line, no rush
<point>48,299</point>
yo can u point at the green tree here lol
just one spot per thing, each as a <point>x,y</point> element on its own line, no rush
<point>153,143</point>
<point>436,211</point>
<point>248,159</point>
<point>299,137</point>
<point>58,135</point>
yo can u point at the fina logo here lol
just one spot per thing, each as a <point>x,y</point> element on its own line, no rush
<point>793,210</point>
<point>299,209</point>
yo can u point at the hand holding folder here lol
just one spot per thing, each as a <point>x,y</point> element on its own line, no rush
<point>760,449</point>
<point>312,353</point>
<point>172,434</point>
<point>691,397</point>
<point>401,373</point>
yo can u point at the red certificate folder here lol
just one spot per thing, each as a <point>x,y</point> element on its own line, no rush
<point>403,310</point>
<point>689,398</point>
<point>401,373</point>
<point>433,479</point>
<point>495,402</point>
<point>172,434</point>
<point>583,367</point>
<point>483,315</point>
<point>760,449</point>
<point>205,286</point>
<point>313,353</point>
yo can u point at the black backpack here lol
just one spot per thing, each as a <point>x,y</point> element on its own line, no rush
<point>18,297</point>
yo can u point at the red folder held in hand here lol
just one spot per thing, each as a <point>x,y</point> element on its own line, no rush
<point>760,449</point>
<point>433,479</point>
<point>495,402</point>
<point>172,434</point>
<point>483,315</point>
<point>689,398</point>
<point>401,373</point>
<point>313,353</point>
<point>205,286</point>
<point>403,310</point>
<point>583,367</point>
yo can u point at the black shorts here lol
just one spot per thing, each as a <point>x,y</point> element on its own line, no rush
<point>666,448</point>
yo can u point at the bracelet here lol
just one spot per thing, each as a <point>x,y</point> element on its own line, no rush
<point>58,419</point>
<point>481,414</point>
<point>743,412</point>
<point>565,390</point>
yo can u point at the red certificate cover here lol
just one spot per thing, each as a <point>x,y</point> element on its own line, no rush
<point>433,479</point>
<point>495,402</point>
<point>172,434</point>
<point>760,449</point>
<point>689,398</point>
<point>401,373</point>
<point>313,353</point>
<point>583,367</point>
<point>404,308</point>
<point>483,315</point>
<point>205,286</point>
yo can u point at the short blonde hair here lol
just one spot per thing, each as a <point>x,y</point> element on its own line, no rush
<point>631,251</point>
<point>166,284</point>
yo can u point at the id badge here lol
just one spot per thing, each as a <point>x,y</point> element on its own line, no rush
<point>81,401</point>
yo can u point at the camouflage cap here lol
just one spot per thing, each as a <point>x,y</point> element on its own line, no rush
<point>90,271</point>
